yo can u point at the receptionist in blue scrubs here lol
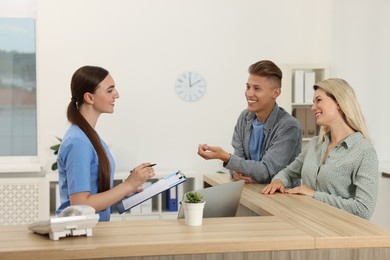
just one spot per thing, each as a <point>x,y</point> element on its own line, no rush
<point>85,165</point>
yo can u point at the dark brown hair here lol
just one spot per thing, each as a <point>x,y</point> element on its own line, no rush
<point>87,79</point>
<point>268,69</point>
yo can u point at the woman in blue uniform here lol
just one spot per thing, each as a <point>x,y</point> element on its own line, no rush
<point>85,165</point>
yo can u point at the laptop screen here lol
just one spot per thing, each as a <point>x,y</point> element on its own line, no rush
<point>221,200</point>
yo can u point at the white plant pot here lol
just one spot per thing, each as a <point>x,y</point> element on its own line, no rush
<point>193,213</point>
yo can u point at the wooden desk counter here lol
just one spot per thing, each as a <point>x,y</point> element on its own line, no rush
<point>330,226</point>
<point>290,227</point>
<point>158,238</point>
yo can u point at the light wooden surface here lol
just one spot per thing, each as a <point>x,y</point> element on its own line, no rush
<point>330,227</point>
<point>290,227</point>
<point>153,238</point>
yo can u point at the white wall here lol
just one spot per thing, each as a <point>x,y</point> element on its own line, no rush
<point>146,44</point>
<point>361,54</point>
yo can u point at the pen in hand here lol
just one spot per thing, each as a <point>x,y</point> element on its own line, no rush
<point>153,164</point>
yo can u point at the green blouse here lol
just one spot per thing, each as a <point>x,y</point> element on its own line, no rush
<point>348,179</point>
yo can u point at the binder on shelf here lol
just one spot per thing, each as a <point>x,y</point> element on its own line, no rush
<point>172,195</point>
<point>172,180</point>
<point>308,121</point>
<point>310,80</point>
<point>146,206</point>
<point>58,198</point>
<point>311,126</point>
<point>300,114</point>
<point>299,86</point>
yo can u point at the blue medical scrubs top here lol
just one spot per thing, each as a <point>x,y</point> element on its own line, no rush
<point>78,168</point>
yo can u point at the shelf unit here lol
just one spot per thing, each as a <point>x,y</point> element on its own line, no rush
<point>290,89</point>
<point>155,208</point>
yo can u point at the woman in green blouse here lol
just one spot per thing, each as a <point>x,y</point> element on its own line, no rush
<point>340,166</point>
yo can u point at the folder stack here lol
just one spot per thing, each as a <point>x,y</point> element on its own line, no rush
<point>303,86</point>
<point>308,121</point>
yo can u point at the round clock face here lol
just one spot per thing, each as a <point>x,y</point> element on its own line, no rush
<point>190,86</point>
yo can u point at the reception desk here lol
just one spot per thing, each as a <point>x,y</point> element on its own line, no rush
<point>289,227</point>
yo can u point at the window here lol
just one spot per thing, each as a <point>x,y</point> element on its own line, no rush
<point>18,110</point>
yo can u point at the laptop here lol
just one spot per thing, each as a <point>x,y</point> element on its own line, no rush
<point>221,200</point>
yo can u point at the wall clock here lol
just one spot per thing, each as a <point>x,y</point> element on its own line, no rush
<point>190,86</point>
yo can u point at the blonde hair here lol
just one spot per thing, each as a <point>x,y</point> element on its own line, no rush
<point>343,94</point>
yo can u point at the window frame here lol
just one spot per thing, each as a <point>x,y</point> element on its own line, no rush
<point>28,163</point>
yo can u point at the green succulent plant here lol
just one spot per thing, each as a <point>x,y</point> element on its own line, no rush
<point>193,197</point>
<point>55,149</point>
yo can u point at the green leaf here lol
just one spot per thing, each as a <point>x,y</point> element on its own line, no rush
<point>193,197</point>
<point>54,167</point>
<point>55,147</point>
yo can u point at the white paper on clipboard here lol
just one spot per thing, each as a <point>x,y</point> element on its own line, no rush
<point>166,183</point>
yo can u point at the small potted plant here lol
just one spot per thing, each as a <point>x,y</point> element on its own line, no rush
<point>193,208</point>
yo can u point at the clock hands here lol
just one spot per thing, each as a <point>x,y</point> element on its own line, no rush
<point>196,82</point>
<point>190,84</point>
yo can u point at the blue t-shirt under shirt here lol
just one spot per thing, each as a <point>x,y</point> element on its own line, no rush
<point>256,140</point>
<point>78,165</point>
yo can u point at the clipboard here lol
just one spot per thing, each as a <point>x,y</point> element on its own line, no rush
<point>164,184</point>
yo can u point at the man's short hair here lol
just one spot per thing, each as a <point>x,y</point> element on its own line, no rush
<point>268,69</point>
